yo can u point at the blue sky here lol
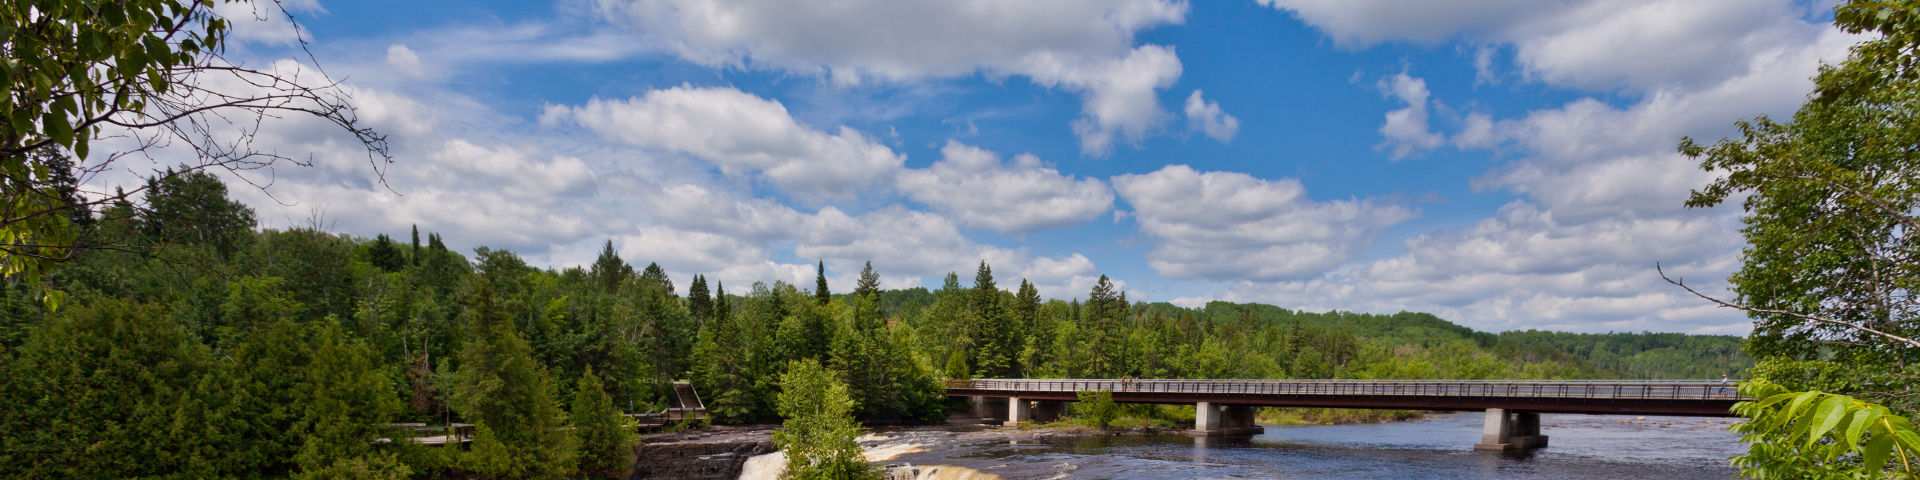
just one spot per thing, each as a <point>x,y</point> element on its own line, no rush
<point>1506,164</point>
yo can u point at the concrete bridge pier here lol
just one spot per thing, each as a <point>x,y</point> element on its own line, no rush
<point>989,410</point>
<point>1213,420</point>
<point>1023,410</point>
<point>1509,430</point>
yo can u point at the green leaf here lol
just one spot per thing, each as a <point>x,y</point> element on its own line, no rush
<point>1799,403</point>
<point>1862,422</point>
<point>1875,455</point>
<point>1825,417</point>
<point>57,127</point>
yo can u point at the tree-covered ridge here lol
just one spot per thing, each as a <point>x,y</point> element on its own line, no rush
<point>280,352</point>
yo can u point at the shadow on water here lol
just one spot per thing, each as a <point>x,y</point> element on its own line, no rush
<point>1441,447</point>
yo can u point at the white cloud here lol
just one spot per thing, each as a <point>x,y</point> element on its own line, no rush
<point>741,134</point>
<point>405,61</point>
<point>1208,118</point>
<point>1229,225</point>
<point>1085,46</point>
<point>975,187</point>
<point>1601,190</point>
<point>265,22</point>
<point>1406,129</point>
<point>1638,45</point>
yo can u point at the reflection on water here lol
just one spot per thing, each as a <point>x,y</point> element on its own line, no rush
<point>1441,447</point>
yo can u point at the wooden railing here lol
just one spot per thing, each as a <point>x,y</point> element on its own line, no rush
<point>1598,389</point>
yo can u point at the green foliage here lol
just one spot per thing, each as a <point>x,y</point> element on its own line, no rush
<point>818,433</point>
<point>501,388</point>
<point>1829,198</point>
<point>106,375</point>
<point>1096,407</point>
<point>605,441</point>
<point>1814,434</point>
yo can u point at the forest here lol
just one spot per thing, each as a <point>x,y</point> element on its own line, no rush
<point>188,343</point>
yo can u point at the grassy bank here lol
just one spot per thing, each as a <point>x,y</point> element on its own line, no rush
<point>1333,416</point>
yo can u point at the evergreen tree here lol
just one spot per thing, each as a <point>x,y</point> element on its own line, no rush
<point>722,308</point>
<point>415,253</point>
<point>699,302</point>
<point>820,293</point>
<point>384,255</point>
<point>997,337</point>
<point>605,441</point>
<point>657,275</point>
<point>869,282</point>
<point>95,391</point>
<point>609,270</point>
<point>511,399</point>
<point>1104,311</point>
<point>1026,313</point>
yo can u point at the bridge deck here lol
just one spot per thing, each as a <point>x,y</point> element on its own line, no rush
<point>1649,397</point>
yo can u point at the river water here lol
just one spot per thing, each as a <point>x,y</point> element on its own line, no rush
<point>1438,447</point>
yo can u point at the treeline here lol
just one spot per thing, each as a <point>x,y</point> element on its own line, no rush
<point>186,343</point>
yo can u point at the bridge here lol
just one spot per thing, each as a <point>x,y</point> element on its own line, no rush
<point>1226,407</point>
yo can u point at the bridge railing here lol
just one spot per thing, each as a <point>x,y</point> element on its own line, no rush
<point>1602,389</point>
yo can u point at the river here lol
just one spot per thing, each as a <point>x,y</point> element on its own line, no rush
<point>1437,447</point>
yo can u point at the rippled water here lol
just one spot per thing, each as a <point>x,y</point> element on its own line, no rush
<point>1440,447</point>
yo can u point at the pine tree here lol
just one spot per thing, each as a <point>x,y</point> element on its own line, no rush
<point>869,282</point>
<point>997,341</point>
<point>605,441</point>
<point>820,293</point>
<point>506,393</point>
<point>1105,309</point>
<point>722,309</point>
<point>384,255</point>
<point>699,302</point>
<point>609,270</point>
<point>415,253</point>
<point>1026,314</point>
<point>657,275</point>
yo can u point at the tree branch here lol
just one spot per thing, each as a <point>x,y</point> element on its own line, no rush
<point>1663,276</point>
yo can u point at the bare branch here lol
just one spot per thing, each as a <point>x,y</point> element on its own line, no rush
<point>1856,326</point>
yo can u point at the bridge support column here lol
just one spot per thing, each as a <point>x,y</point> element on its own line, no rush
<point>1508,430</point>
<point>1211,420</point>
<point>989,410</point>
<point>1017,411</point>
<point>1023,410</point>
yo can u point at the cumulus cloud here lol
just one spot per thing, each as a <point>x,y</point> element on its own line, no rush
<point>741,134</point>
<point>1229,225</point>
<point>1638,45</point>
<point>975,187</point>
<point>1085,46</point>
<point>1601,190</point>
<point>1406,129</point>
<point>405,61</point>
<point>1208,118</point>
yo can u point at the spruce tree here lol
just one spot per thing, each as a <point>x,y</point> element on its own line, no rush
<point>722,309</point>
<point>605,441</point>
<point>384,255</point>
<point>415,253</point>
<point>511,398</point>
<point>609,270</point>
<point>657,275</point>
<point>699,302</point>
<point>869,282</point>
<point>997,342</point>
<point>820,293</point>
